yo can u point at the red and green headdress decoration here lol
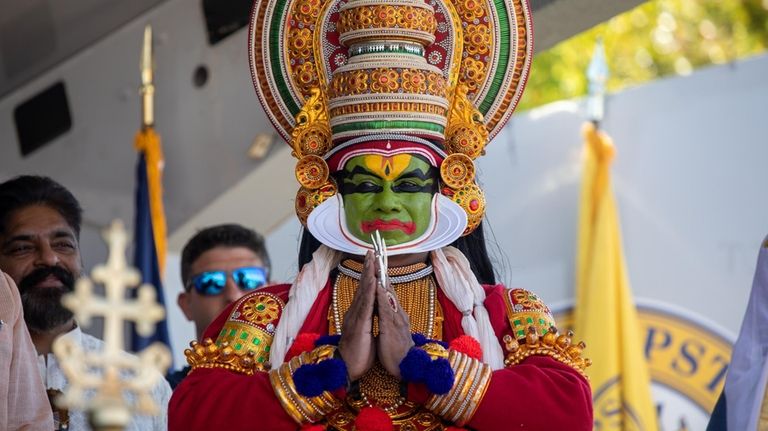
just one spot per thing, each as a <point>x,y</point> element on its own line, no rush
<point>438,78</point>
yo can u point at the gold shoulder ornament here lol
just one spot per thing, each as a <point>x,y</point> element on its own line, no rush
<point>244,342</point>
<point>534,333</point>
<point>212,355</point>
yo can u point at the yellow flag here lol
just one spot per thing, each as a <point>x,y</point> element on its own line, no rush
<point>605,314</point>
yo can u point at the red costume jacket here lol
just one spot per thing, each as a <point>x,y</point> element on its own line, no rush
<point>539,393</point>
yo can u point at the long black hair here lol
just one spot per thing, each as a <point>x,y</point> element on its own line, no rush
<point>473,246</point>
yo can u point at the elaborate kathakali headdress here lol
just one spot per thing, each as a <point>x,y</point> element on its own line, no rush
<point>438,78</point>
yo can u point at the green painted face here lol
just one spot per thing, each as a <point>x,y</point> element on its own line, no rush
<point>389,194</point>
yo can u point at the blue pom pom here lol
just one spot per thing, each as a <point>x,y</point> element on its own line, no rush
<point>332,340</point>
<point>307,380</point>
<point>414,364</point>
<point>333,373</point>
<point>438,376</point>
<point>442,343</point>
<point>419,339</point>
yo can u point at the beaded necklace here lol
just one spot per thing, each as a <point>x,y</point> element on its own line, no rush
<point>416,289</point>
<point>414,286</point>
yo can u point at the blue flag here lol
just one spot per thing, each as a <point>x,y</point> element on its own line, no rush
<point>149,229</point>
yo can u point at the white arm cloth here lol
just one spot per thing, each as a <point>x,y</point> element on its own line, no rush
<point>310,281</point>
<point>455,278</point>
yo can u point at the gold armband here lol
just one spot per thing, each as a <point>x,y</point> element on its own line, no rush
<point>303,409</point>
<point>471,379</point>
<point>552,344</point>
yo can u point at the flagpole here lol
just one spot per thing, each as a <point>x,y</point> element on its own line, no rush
<point>605,313</point>
<point>147,85</point>
<point>148,142</point>
<point>150,231</point>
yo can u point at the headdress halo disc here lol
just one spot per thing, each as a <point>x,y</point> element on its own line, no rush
<point>294,46</point>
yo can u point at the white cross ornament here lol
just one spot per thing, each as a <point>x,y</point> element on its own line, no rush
<point>111,373</point>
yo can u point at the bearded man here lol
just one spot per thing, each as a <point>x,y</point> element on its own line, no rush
<point>386,104</point>
<point>40,249</point>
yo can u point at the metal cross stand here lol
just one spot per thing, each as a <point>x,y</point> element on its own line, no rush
<point>98,382</point>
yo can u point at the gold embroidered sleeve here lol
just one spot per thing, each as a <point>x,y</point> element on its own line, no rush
<point>244,342</point>
<point>534,333</point>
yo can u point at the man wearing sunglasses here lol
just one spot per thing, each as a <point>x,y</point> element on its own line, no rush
<point>219,265</point>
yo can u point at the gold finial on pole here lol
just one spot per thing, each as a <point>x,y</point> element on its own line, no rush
<point>99,380</point>
<point>147,76</point>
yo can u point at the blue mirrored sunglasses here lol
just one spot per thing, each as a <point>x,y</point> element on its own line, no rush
<point>212,283</point>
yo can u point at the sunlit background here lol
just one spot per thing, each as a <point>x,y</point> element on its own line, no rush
<point>657,39</point>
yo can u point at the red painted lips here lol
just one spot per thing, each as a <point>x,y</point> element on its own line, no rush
<point>408,227</point>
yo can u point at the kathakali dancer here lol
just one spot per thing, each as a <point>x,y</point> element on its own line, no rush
<point>386,105</point>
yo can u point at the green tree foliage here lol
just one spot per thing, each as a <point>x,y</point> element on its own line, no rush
<point>657,39</point>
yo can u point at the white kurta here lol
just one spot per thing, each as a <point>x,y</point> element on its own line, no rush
<point>53,378</point>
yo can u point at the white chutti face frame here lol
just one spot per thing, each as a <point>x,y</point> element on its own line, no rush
<point>328,224</point>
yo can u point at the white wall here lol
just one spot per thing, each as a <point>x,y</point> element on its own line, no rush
<point>690,180</point>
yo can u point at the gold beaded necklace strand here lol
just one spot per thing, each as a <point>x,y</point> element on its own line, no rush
<point>414,286</point>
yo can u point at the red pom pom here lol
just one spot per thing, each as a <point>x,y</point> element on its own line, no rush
<point>373,419</point>
<point>313,427</point>
<point>304,342</point>
<point>468,346</point>
<point>418,393</point>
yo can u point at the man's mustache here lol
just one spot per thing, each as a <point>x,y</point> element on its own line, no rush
<point>33,278</point>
